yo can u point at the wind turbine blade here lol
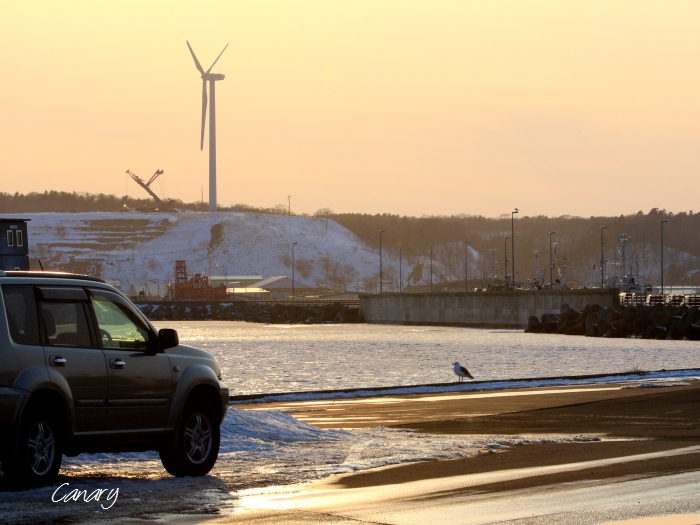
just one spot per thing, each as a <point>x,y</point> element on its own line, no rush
<point>204,111</point>
<point>196,62</point>
<point>217,58</point>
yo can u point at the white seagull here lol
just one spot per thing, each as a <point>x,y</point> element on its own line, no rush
<point>461,371</point>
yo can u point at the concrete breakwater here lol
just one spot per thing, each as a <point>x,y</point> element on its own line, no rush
<point>254,312</point>
<point>643,322</point>
<point>507,309</point>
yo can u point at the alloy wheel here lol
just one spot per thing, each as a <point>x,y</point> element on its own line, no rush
<point>41,448</point>
<point>198,438</point>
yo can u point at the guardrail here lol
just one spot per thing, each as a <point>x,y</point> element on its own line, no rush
<point>354,303</point>
<point>299,302</point>
<point>692,300</point>
<point>636,299</point>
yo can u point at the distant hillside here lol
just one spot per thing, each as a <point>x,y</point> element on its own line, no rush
<point>576,251</point>
<point>140,249</point>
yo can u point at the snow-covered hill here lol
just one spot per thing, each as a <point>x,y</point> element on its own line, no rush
<point>136,248</point>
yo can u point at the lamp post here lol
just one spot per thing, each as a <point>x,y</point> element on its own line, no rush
<point>602,258</point>
<point>293,294</point>
<point>466,266</point>
<point>431,267</point>
<point>400,273</point>
<point>662,255</point>
<point>157,281</point>
<point>380,259</point>
<point>505,261</point>
<point>512,242</point>
<point>551,263</point>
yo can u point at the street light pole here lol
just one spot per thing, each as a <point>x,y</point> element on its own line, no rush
<point>380,259</point>
<point>512,242</point>
<point>662,255</point>
<point>293,294</point>
<point>505,261</point>
<point>431,267</point>
<point>602,258</point>
<point>400,273</point>
<point>551,263</point>
<point>466,265</point>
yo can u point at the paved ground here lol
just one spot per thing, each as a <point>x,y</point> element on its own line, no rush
<point>647,464</point>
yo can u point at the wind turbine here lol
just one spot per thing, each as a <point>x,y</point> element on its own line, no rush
<point>212,78</point>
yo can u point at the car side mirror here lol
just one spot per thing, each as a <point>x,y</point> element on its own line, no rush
<point>167,338</point>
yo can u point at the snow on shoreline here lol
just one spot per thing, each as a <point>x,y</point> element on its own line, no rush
<point>246,430</point>
<point>270,447</point>
<point>260,451</point>
<point>265,451</point>
<point>648,379</point>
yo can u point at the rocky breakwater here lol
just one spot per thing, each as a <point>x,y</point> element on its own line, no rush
<point>252,312</point>
<point>642,322</point>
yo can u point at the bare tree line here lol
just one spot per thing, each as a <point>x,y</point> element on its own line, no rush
<point>576,243</point>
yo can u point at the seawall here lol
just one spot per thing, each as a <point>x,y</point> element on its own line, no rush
<point>507,309</point>
<point>299,312</point>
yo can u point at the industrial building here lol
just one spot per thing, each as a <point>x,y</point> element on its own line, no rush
<point>234,281</point>
<point>282,288</point>
<point>14,249</point>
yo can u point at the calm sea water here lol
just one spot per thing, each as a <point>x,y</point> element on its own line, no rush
<point>259,358</point>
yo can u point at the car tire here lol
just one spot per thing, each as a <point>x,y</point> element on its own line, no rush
<point>197,447</point>
<point>37,458</point>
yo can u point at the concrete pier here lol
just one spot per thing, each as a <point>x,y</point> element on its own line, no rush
<point>476,309</point>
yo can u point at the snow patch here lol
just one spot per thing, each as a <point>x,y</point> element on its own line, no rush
<point>255,429</point>
<point>656,385</point>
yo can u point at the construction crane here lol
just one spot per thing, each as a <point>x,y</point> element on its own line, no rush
<point>146,185</point>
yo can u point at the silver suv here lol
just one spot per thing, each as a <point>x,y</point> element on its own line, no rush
<point>82,370</point>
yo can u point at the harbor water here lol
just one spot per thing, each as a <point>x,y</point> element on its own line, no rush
<point>258,358</point>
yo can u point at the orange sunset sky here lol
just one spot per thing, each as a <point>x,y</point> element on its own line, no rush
<point>409,107</point>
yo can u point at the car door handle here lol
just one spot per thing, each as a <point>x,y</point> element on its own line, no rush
<point>116,363</point>
<point>57,360</point>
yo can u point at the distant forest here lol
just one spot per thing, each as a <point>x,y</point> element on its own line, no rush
<point>66,202</point>
<point>576,243</point>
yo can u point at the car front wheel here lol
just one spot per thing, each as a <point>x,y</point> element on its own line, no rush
<point>197,446</point>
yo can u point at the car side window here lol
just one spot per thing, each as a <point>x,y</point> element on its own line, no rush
<point>119,327</point>
<point>20,306</point>
<point>65,324</point>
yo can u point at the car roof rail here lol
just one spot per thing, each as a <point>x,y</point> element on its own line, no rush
<point>51,275</point>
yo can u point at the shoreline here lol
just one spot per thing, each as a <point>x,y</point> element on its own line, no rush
<point>628,421</point>
<point>680,374</point>
<point>647,435</point>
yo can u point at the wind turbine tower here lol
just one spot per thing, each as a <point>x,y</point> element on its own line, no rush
<point>212,78</point>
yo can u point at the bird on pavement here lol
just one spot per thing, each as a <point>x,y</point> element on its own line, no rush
<point>461,371</point>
